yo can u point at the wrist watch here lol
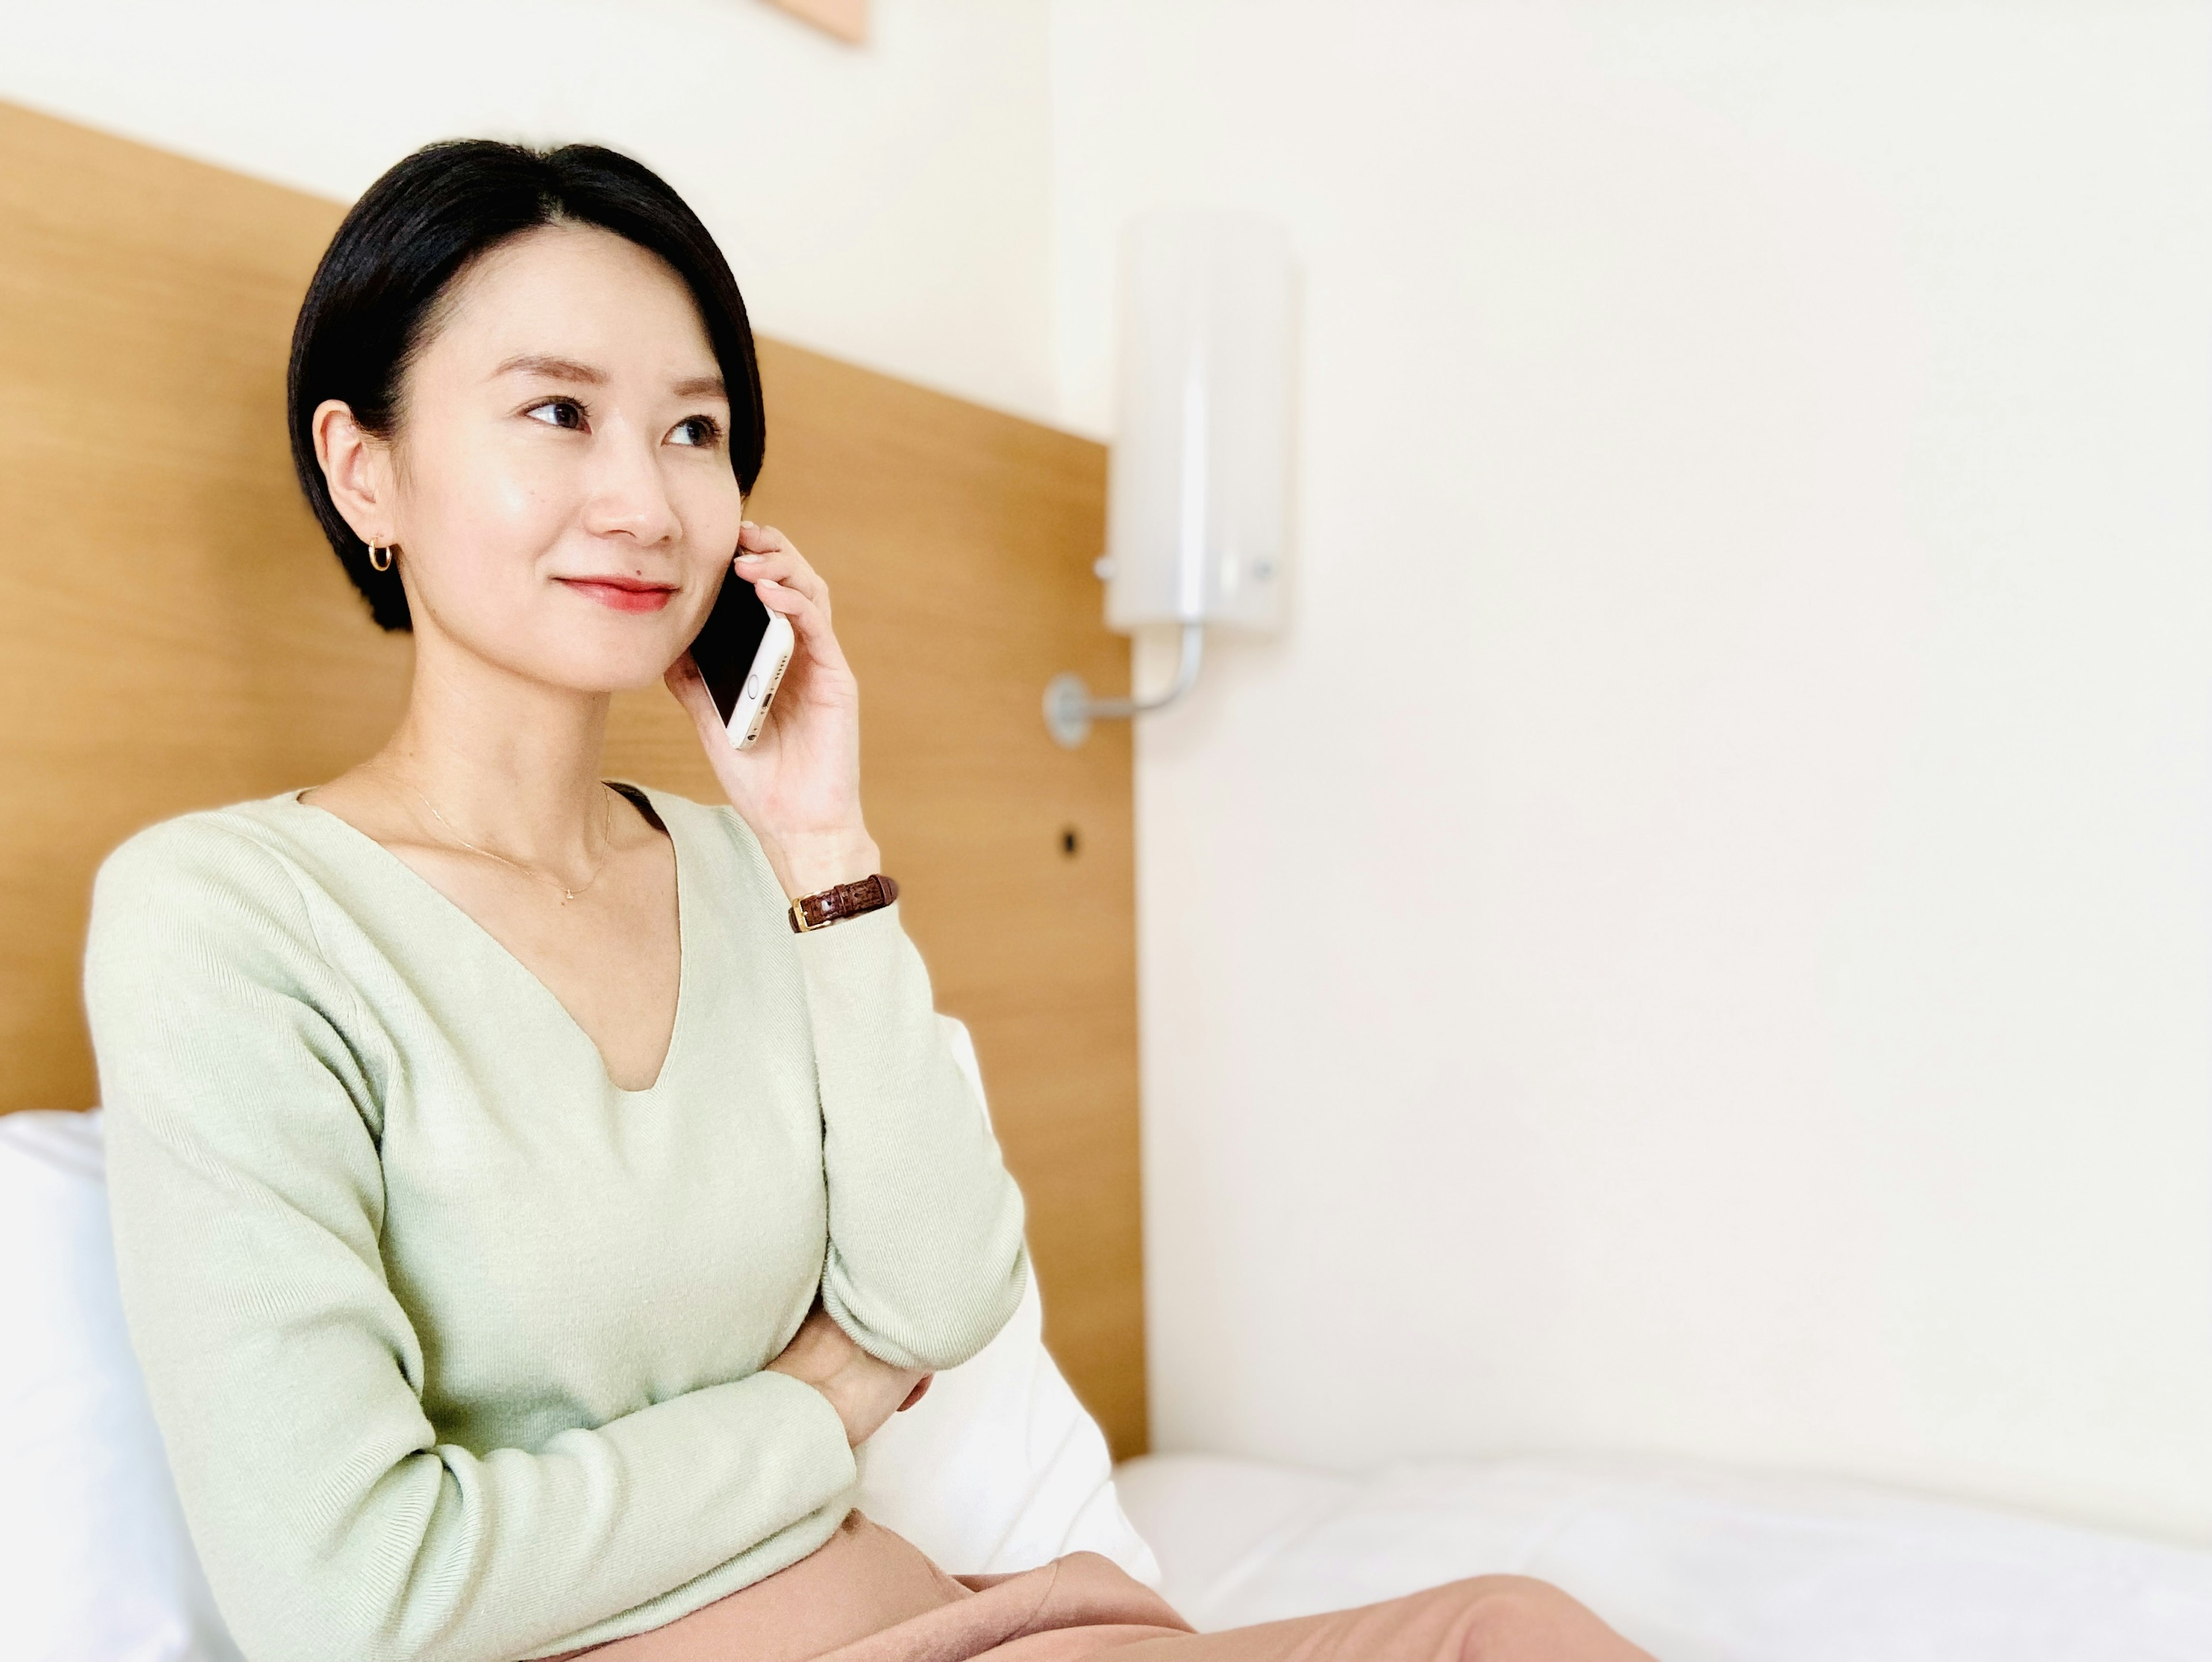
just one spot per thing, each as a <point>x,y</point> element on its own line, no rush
<point>815,911</point>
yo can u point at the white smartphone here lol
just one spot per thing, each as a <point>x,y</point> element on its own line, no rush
<point>742,651</point>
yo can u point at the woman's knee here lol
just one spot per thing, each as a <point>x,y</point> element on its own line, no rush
<point>1517,1618</point>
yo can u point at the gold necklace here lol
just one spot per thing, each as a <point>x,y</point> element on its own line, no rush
<point>606,832</point>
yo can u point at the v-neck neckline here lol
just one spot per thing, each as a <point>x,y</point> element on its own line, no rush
<point>684,932</point>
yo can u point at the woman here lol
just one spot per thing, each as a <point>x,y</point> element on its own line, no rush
<point>519,1221</point>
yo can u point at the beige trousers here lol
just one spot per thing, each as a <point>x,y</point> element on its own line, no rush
<point>867,1595</point>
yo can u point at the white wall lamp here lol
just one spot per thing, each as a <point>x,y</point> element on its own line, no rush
<point>1198,482</point>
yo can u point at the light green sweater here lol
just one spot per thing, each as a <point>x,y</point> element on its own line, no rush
<point>455,1344</point>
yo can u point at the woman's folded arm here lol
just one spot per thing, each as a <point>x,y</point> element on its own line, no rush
<point>286,1377</point>
<point>926,1259</point>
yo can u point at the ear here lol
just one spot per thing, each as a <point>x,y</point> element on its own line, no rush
<point>357,466</point>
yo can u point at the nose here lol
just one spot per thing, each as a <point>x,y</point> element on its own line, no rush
<point>627,496</point>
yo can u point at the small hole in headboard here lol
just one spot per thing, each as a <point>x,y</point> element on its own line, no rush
<point>1070,841</point>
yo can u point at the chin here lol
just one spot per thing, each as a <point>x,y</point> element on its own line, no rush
<point>624,671</point>
<point>589,661</point>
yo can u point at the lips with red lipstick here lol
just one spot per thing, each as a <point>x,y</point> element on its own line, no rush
<point>622,593</point>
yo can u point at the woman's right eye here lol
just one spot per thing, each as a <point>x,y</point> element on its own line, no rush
<point>558,412</point>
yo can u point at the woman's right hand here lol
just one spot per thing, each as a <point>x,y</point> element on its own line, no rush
<point>865,1391</point>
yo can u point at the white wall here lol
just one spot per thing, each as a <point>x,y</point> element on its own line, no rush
<point>886,205</point>
<point>1697,940</point>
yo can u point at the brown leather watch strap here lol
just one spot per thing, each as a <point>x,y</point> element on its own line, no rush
<point>815,911</point>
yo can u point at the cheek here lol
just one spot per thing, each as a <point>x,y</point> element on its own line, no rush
<point>485,512</point>
<point>711,509</point>
<point>713,499</point>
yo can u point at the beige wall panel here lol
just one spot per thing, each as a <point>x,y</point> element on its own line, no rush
<point>174,633</point>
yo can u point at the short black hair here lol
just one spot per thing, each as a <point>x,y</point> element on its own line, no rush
<point>374,297</point>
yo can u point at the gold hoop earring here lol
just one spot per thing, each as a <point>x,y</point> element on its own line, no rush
<point>385,564</point>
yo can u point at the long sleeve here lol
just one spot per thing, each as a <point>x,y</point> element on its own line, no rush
<point>926,1260</point>
<point>241,1081</point>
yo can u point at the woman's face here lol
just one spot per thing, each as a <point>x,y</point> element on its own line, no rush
<point>561,493</point>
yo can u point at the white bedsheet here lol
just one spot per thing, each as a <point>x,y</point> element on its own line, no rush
<point>1695,1564</point>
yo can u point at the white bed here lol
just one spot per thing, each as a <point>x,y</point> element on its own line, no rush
<point>1694,1564</point>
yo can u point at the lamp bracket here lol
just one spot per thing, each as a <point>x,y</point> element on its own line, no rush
<point>1069,709</point>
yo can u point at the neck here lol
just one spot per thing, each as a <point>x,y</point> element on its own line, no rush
<point>513,763</point>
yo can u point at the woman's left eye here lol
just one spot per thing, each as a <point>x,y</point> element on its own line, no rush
<point>696,430</point>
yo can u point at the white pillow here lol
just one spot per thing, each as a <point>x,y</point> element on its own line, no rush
<point>997,1468</point>
<point>95,1562</point>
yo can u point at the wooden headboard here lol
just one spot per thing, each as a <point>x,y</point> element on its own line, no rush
<point>175,634</point>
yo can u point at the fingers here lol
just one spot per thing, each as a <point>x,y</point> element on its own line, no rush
<point>765,552</point>
<point>786,584</point>
<point>809,619</point>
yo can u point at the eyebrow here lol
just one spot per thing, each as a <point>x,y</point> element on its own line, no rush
<point>540,364</point>
<point>560,368</point>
